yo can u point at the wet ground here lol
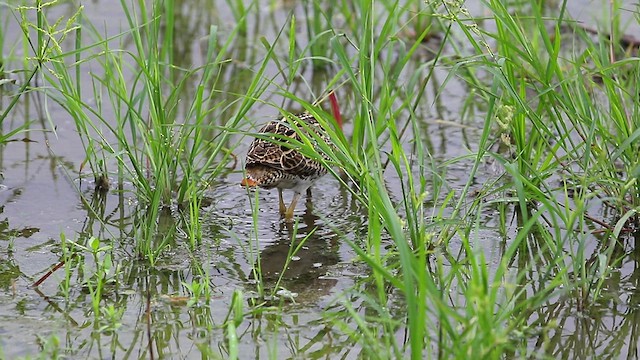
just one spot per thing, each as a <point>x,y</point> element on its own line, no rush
<point>39,201</point>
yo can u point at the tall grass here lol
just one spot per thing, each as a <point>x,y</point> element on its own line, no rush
<point>545,136</point>
<point>39,47</point>
<point>132,126</point>
<point>559,120</point>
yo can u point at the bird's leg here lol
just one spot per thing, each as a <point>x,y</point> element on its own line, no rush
<point>289,214</point>
<point>283,208</point>
<point>308,192</point>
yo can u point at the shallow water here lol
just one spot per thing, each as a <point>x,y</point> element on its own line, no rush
<point>40,201</point>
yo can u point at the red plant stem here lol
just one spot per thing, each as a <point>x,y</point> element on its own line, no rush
<point>45,276</point>
<point>335,109</point>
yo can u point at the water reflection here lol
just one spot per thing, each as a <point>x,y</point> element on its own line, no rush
<point>304,273</point>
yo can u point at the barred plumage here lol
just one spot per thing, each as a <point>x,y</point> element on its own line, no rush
<point>271,165</point>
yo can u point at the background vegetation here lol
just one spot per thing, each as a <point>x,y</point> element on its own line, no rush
<point>552,171</point>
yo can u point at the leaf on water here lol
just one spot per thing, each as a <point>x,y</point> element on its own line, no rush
<point>175,300</point>
<point>28,231</point>
<point>24,139</point>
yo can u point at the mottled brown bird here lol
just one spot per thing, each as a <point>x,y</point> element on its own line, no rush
<point>269,164</point>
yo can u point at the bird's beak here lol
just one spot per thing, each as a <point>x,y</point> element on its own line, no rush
<point>248,182</point>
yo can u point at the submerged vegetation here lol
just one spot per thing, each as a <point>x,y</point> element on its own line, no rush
<point>511,245</point>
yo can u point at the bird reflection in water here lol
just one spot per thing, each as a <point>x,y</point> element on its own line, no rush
<point>305,273</point>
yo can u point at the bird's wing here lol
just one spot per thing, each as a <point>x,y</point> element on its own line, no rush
<point>267,152</point>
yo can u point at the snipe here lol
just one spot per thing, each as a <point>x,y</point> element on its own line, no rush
<point>272,165</point>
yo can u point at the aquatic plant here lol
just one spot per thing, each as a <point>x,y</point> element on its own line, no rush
<point>486,185</point>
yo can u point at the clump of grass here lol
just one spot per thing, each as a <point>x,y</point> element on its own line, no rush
<point>556,132</point>
<point>375,129</point>
<point>133,130</point>
<point>157,148</point>
<point>541,138</point>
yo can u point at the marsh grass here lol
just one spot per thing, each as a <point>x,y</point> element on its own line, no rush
<point>541,137</point>
<point>559,121</point>
<point>39,47</point>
